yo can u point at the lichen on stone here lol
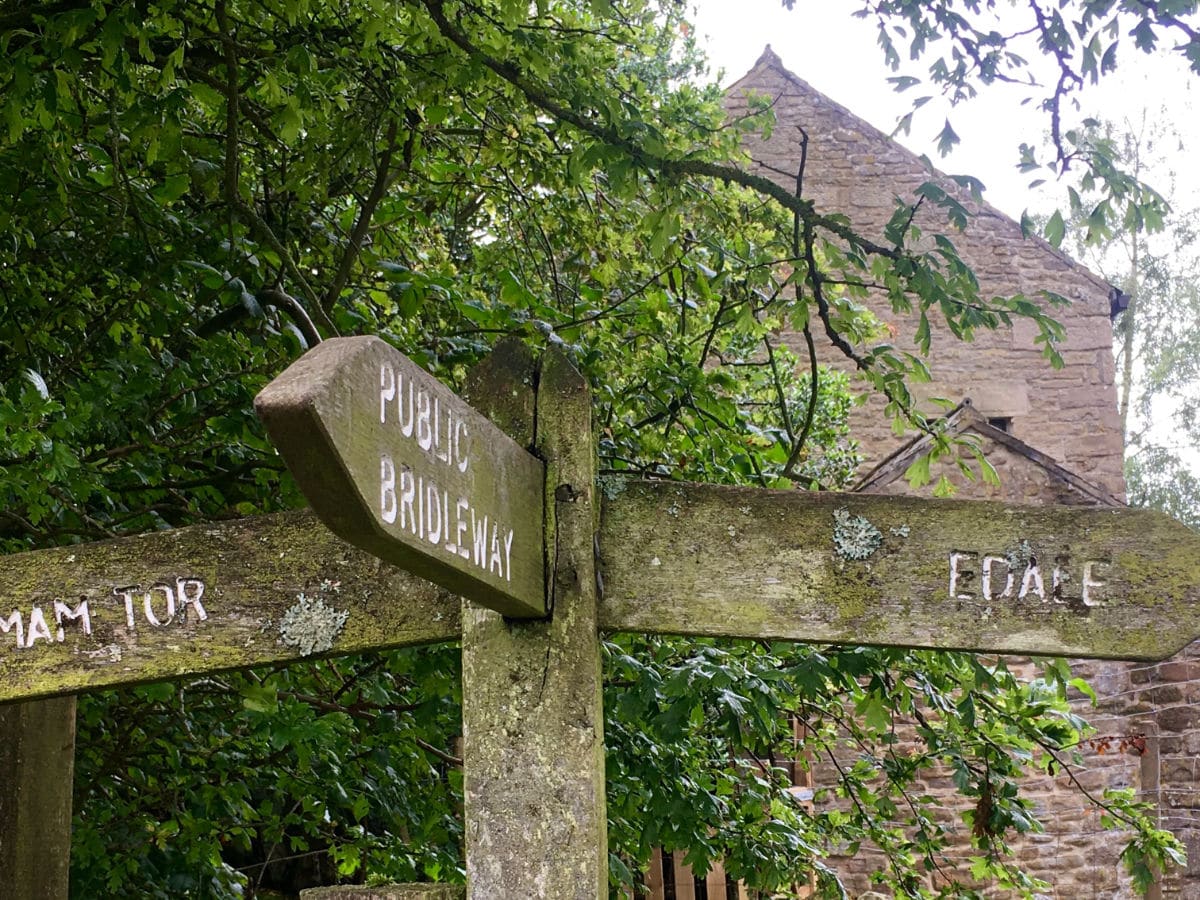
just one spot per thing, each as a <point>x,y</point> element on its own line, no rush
<point>612,486</point>
<point>310,626</point>
<point>1019,557</point>
<point>853,536</point>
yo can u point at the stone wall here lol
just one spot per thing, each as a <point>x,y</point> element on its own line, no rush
<point>1148,716</point>
<point>855,169</point>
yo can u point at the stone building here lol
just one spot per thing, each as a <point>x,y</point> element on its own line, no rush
<point>1054,437</point>
<point>1070,414</point>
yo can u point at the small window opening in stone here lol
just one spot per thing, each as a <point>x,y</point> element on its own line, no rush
<point>1004,423</point>
<point>668,876</point>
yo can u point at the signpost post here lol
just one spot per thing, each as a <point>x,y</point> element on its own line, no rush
<point>545,557</point>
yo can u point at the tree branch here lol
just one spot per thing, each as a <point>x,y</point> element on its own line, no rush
<point>265,232</point>
<point>363,223</point>
<point>671,167</point>
<point>799,442</point>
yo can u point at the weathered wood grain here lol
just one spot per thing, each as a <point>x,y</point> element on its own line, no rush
<point>738,562</point>
<point>395,463</point>
<point>533,741</point>
<point>37,757</point>
<point>271,588</point>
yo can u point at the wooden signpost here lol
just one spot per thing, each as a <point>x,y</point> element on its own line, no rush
<point>396,464</point>
<point>511,518</point>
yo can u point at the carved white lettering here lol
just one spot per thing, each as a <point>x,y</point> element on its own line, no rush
<point>421,507</point>
<point>419,502</point>
<point>1090,581</point>
<point>424,423</point>
<point>451,539</point>
<point>461,528</point>
<point>387,390</point>
<point>148,605</point>
<point>165,602</point>
<point>1068,584</point>
<point>460,445</point>
<point>388,506</point>
<point>1059,579</point>
<point>127,594</point>
<point>406,422</point>
<point>497,563</point>
<point>420,413</point>
<point>79,614</point>
<point>479,529</point>
<point>958,573</point>
<point>442,453</point>
<point>392,387</point>
<point>37,628</point>
<point>433,503</point>
<point>986,578</point>
<point>508,555</point>
<point>189,591</point>
<point>408,491</point>
<point>1032,580</point>
<point>15,621</point>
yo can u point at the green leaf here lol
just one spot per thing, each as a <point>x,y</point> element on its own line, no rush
<point>260,698</point>
<point>902,83</point>
<point>289,120</point>
<point>946,139</point>
<point>876,715</point>
<point>1082,685</point>
<point>1055,229</point>
<point>1028,225</point>
<point>918,474</point>
<point>172,188</point>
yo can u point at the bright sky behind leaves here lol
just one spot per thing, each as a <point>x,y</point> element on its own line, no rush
<point>824,44</point>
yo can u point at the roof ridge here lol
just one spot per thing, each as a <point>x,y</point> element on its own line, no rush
<point>769,59</point>
<point>965,417</point>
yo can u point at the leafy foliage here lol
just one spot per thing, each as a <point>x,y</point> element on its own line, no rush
<point>200,191</point>
<point>1049,51</point>
<point>1158,331</point>
<point>220,786</point>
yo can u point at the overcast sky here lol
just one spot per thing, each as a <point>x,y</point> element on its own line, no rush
<point>838,55</point>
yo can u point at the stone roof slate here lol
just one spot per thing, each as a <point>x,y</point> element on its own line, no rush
<point>966,418</point>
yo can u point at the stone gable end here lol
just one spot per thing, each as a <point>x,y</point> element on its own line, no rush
<point>1022,480</point>
<point>853,168</point>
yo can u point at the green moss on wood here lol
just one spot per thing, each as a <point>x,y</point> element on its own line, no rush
<point>710,560</point>
<point>532,719</point>
<point>388,892</point>
<point>254,570</point>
